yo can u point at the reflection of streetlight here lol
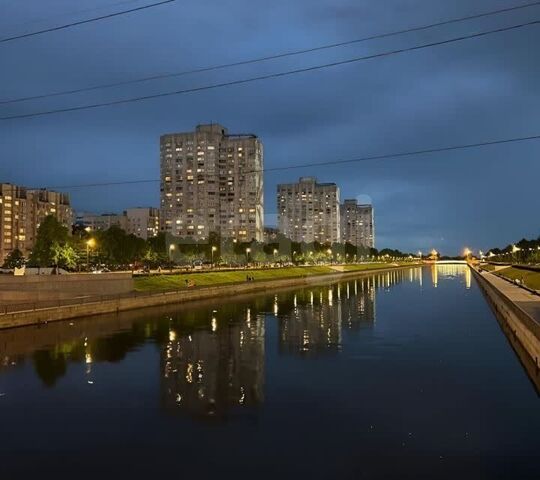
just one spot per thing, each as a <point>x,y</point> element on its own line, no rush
<point>90,243</point>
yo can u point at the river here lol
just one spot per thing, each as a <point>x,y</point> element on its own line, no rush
<point>406,374</point>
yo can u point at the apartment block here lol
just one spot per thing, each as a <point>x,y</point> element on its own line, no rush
<point>357,224</point>
<point>22,210</point>
<point>142,222</point>
<point>211,181</point>
<point>309,211</point>
<point>103,221</point>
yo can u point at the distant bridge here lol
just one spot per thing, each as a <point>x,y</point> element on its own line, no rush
<point>445,262</point>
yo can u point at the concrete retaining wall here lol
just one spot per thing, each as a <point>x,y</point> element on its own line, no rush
<point>523,328</point>
<point>33,288</point>
<point>40,316</point>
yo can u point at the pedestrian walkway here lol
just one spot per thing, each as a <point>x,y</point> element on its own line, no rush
<point>527,301</point>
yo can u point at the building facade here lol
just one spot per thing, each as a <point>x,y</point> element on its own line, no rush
<point>22,210</point>
<point>357,224</point>
<point>212,181</point>
<point>103,221</point>
<point>309,211</point>
<point>142,222</point>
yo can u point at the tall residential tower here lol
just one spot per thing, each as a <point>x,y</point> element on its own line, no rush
<point>357,224</point>
<point>309,211</point>
<point>211,181</point>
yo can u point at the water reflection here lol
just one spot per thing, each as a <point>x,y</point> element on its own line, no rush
<point>212,355</point>
<point>209,371</point>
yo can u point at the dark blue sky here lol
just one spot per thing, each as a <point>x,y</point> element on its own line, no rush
<point>482,89</point>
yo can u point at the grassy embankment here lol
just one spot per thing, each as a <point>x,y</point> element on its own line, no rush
<point>177,282</point>
<point>529,278</point>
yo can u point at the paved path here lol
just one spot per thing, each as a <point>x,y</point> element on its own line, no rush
<point>529,302</point>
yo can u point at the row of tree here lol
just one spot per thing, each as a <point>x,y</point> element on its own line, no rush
<point>524,251</point>
<point>115,248</point>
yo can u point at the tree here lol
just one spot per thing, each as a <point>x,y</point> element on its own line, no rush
<point>64,255</point>
<point>14,260</point>
<point>50,231</point>
<point>116,247</point>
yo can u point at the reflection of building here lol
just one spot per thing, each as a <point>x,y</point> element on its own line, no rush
<point>357,224</point>
<point>309,211</point>
<point>209,372</point>
<point>21,212</point>
<point>357,303</point>
<point>211,181</point>
<point>311,329</point>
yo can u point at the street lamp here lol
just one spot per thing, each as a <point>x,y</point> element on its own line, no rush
<point>90,243</point>
<point>248,250</point>
<point>214,249</point>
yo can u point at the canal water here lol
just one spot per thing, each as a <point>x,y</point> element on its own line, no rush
<point>404,374</point>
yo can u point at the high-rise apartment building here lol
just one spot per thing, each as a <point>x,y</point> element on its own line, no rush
<point>309,211</point>
<point>357,224</point>
<point>211,181</point>
<point>22,211</point>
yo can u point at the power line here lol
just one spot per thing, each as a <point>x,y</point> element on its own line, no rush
<point>370,158</point>
<point>82,22</point>
<point>73,12</point>
<point>267,58</point>
<point>268,76</point>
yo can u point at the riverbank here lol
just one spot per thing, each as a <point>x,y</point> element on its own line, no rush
<point>143,299</point>
<point>163,283</point>
<point>519,308</point>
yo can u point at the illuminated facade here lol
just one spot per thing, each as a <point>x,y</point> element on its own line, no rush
<point>212,181</point>
<point>22,210</point>
<point>309,211</point>
<point>357,224</point>
<point>142,222</point>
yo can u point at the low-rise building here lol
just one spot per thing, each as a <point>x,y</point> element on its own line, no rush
<point>143,221</point>
<point>104,221</point>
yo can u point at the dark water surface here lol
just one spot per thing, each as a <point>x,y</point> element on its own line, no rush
<point>399,375</point>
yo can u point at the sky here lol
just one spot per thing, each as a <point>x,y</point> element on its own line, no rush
<point>473,91</point>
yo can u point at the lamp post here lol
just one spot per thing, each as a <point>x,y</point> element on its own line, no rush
<point>214,249</point>
<point>90,243</point>
<point>172,248</point>
<point>248,250</point>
